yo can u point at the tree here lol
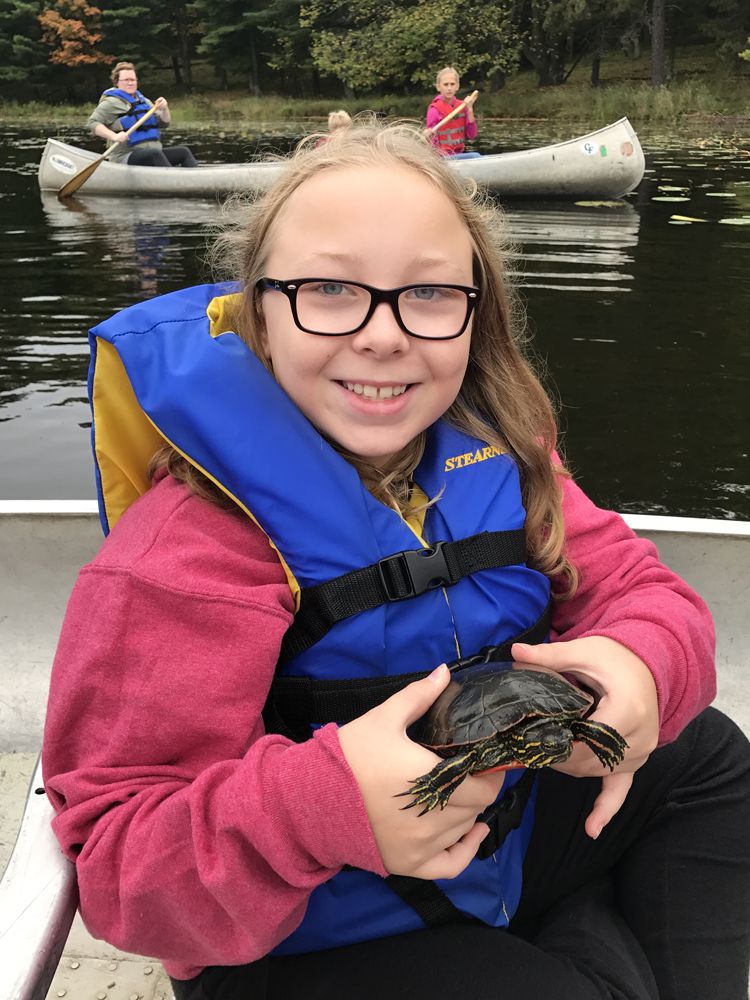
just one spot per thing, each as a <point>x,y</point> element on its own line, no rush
<point>23,57</point>
<point>376,45</point>
<point>70,31</point>
<point>231,37</point>
<point>658,34</point>
<point>557,34</point>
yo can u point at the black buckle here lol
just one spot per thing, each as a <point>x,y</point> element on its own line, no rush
<point>414,572</point>
<point>501,817</point>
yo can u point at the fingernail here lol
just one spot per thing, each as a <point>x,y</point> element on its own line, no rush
<point>522,646</point>
<point>436,674</point>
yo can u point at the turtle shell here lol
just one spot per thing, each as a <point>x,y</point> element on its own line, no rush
<point>491,698</point>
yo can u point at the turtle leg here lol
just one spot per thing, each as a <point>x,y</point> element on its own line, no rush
<point>605,741</point>
<point>437,786</point>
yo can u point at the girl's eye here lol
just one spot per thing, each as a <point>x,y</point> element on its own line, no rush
<point>330,288</point>
<point>427,293</point>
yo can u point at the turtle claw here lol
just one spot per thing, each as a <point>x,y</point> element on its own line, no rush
<point>436,787</point>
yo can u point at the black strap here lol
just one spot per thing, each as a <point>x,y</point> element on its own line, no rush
<point>295,702</point>
<point>505,815</point>
<point>397,578</point>
<point>429,901</point>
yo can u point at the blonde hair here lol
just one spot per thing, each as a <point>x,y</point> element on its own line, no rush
<point>338,119</point>
<point>500,401</point>
<point>443,71</point>
<point>115,74</point>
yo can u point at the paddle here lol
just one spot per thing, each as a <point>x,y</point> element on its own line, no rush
<point>457,110</point>
<point>83,175</point>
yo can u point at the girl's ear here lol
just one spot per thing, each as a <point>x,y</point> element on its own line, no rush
<point>263,343</point>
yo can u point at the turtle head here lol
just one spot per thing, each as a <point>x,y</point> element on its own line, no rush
<point>542,743</point>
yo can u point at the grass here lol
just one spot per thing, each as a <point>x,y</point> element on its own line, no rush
<point>702,88</point>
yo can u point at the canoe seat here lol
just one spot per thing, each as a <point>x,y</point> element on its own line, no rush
<point>38,900</point>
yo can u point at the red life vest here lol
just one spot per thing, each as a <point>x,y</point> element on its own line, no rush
<point>451,137</point>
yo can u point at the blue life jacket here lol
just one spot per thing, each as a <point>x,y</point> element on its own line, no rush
<point>138,108</point>
<point>171,369</point>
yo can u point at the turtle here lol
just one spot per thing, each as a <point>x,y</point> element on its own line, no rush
<point>491,717</point>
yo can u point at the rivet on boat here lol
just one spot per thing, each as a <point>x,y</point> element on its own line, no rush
<point>112,966</point>
<point>147,971</point>
<point>75,965</point>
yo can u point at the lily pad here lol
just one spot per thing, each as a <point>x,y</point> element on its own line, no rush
<point>669,197</point>
<point>742,220</point>
<point>720,194</point>
<point>678,222</point>
<point>601,204</point>
<point>671,187</point>
<point>686,218</point>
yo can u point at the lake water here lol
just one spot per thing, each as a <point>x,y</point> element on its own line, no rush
<point>640,320</point>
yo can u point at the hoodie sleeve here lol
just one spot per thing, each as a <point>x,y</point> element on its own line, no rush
<point>197,837</point>
<point>627,594</point>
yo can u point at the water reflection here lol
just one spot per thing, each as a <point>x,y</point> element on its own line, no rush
<point>575,248</point>
<point>141,237</point>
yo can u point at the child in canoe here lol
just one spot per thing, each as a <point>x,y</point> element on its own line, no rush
<point>320,483</point>
<point>451,138</point>
<point>337,120</point>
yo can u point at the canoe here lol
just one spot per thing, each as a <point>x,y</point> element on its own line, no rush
<point>607,163</point>
<point>45,542</point>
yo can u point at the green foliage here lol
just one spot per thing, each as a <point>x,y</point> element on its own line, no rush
<point>746,53</point>
<point>22,55</point>
<point>368,44</point>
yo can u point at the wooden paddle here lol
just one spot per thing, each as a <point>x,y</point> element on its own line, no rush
<point>83,175</point>
<point>457,110</point>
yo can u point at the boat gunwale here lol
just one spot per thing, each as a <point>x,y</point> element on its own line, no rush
<point>662,523</point>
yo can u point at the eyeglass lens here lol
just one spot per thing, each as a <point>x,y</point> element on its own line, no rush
<point>337,307</point>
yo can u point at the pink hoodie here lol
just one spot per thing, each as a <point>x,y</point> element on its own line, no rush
<point>197,838</point>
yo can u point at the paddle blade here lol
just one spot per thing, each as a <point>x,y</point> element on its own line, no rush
<point>71,186</point>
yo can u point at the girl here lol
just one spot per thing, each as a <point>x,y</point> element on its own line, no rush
<point>451,138</point>
<point>351,433</point>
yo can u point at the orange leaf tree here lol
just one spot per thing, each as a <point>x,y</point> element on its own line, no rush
<point>70,31</point>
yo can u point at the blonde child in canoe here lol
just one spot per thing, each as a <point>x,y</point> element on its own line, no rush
<point>451,138</point>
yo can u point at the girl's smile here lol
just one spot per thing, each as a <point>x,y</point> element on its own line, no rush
<point>375,390</point>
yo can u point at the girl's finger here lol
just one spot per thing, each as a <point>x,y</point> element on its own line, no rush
<point>451,862</point>
<point>615,788</point>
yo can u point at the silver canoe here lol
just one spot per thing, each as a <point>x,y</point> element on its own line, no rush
<point>43,544</point>
<point>607,163</point>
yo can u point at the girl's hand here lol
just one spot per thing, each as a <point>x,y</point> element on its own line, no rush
<point>628,702</point>
<point>441,843</point>
<point>469,101</point>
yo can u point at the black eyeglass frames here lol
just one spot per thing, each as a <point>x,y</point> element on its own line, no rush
<point>329,307</point>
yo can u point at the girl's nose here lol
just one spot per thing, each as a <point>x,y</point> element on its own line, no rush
<point>382,334</point>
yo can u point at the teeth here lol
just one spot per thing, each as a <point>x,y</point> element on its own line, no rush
<point>373,392</point>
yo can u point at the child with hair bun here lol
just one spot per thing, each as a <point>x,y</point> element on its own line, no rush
<point>277,458</point>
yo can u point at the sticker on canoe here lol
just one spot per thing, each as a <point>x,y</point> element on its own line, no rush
<point>589,148</point>
<point>62,163</point>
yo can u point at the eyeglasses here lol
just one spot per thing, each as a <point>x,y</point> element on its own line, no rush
<point>331,308</point>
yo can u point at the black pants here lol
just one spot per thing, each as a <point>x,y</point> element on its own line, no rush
<point>658,908</point>
<point>169,156</point>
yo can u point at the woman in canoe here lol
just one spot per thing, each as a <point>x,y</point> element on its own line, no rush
<point>226,738</point>
<point>450,139</point>
<point>119,108</point>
